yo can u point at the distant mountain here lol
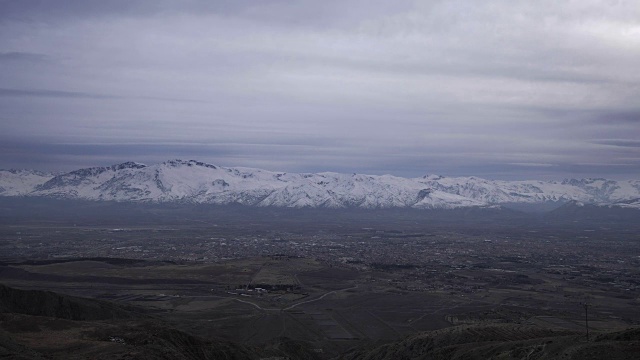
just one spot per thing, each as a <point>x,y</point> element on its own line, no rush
<point>201,183</point>
<point>21,182</point>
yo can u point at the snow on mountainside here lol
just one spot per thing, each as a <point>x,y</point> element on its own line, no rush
<point>600,191</point>
<point>197,182</point>
<point>21,182</point>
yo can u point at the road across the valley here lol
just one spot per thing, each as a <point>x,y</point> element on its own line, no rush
<point>277,309</point>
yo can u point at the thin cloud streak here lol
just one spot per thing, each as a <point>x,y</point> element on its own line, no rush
<point>618,142</point>
<point>80,95</point>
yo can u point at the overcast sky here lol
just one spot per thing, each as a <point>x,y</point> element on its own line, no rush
<point>497,89</point>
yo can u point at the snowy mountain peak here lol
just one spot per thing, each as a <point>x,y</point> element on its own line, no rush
<point>198,182</point>
<point>433,177</point>
<point>128,165</point>
<point>179,162</point>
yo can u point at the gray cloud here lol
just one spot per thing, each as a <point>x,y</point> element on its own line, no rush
<point>303,13</point>
<point>620,116</point>
<point>18,56</point>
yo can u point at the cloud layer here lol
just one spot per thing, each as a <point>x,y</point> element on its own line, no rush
<point>501,89</point>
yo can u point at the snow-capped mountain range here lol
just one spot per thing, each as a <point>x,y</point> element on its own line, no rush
<point>198,182</point>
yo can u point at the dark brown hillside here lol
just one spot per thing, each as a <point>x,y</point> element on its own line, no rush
<point>39,337</point>
<point>38,325</point>
<point>9,349</point>
<point>505,342</point>
<point>46,303</point>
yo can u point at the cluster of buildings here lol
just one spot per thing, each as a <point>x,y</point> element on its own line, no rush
<point>459,261</point>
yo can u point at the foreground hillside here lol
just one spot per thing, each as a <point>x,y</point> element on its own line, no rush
<point>64,327</point>
<point>44,325</point>
<point>505,342</point>
<point>197,182</point>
